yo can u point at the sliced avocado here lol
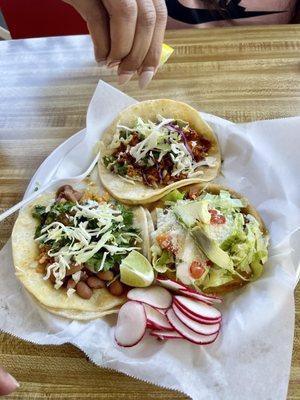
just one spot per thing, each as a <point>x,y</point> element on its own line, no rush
<point>211,249</point>
<point>190,213</point>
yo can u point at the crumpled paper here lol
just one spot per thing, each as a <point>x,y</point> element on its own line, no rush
<point>252,356</point>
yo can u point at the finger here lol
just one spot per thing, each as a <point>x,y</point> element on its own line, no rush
<point>146,19</point>
<point>152,59</point>
<point>123,16</point>
<point>8,384</point>
<point>96,17</point>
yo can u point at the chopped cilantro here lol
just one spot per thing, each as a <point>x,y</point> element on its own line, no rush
<point>121,168</point>
<point>59,208</point>
<point>38,212</point>
<point>108,160</point>
<point>127,215</point>
<point>155,154</point>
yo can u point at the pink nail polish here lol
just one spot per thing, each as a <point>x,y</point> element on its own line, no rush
<point>145,78</point>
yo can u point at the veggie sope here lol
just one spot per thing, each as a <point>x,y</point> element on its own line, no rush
<point>208,240</point>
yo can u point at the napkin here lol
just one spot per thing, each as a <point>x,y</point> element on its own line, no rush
<point>252,356</point>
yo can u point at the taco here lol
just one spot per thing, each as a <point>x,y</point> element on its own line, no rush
<point>154,147</point>
<point>208,237</point>
<point>67,250</point>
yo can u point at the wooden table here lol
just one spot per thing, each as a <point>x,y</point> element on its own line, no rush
<point>242,74</point>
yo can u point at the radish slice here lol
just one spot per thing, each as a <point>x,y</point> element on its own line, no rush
<point>199,296</point>
<point>170,284</point>
<point>131,324</point>
<point>195,326</point>
<point>207,296</point>
<point>154,296</point>
<point>188,333</point>
<point>197,318</point>
<point>167,334</point>
<point>198,308</point>
<point>186,290</point>
<point>156,318</point>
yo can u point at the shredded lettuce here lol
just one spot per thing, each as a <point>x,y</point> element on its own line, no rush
<point>224,201</point>
<point>173,196</point>
<point>156,140</point>
<point>217,277</point>
<point>163,263</point>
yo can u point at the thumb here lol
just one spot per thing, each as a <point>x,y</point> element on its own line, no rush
<point>8,384</point>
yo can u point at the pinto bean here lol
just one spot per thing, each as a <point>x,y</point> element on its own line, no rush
<point>68,193</point>
<point>83,276</point>
<point>77,195</point>
<point>63,188</point>
<point>116,288</point>
<point>74,268</point>
<point>83,290</point>
<point>71,284</point>
<point>89,273</point>
<point>95,283</point>
<point>105,275</point>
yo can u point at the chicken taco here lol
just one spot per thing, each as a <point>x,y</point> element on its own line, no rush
<point>154,147</point>
<point>68,247</point>
<point>208,237</point>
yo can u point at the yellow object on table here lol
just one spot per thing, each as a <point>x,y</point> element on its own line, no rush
<point>165,54</point>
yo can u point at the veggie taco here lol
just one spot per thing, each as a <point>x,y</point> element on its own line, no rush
<point>154,147</point>
<point>208,237</point>
<point>68,247</point>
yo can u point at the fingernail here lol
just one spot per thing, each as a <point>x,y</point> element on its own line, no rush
<point>145,78</point>
<point>124,77</point>
<point>112,64</point>
<point>101,63</point>
<point>12,381</point>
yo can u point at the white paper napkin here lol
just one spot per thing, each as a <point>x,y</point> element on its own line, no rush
<point>251,358</point>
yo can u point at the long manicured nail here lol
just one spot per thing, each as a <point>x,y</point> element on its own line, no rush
<point>145,78</point>
<point>14,383</point>
<point>112,64</point>
<point>8,384</point>
<point>125,77</point>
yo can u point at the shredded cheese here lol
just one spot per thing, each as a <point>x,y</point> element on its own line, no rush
<point>80,244</point>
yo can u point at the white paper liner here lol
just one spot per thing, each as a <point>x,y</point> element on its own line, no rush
<point>251,358</point>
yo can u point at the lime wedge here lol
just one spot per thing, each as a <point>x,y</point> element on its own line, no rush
<point>136,270</point>
<point>165,54</point>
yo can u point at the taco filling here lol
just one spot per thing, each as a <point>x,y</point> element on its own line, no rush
<point>208,240</point>
<point>158,153</point>
<point>82,239</point>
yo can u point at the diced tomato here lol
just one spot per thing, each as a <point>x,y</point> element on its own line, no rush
<point>165,242</point>
<point>216,218</point>
<point>209,263</point>
<point>197,269</point>
<point>213,212</point>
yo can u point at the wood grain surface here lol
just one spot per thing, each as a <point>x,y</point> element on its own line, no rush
<point>241,74</point>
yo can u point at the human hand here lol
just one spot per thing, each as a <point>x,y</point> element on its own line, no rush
<point>126,33</point>
<point>8,384</point>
